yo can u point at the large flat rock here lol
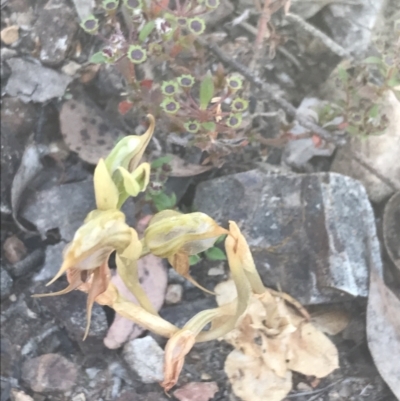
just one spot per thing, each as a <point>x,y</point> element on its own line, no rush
<point>311,235</point>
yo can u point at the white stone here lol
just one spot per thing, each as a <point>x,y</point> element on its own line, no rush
<point>20,396</point>
<point>174,294</point>
<point>145,357</point>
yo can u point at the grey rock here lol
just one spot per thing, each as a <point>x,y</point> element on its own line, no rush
<point>56,28</point>
<point>28,264</point>
<point>6,283</point>
<point>52,262</point>
<point>49,373</point>
<point>215,17</point>
<point>17,395</point>
<point>381,152</point>
<point>30,81</point>
<point>83,8</point>
<point>64,207</point>
<point>307,9</point>
<point>180,314</point>
<point>351,25</point>
<point>70,311</point>
<point>145,357</point>
<point>391,224</point>
<point>314,235</point>
<point>12,149</point>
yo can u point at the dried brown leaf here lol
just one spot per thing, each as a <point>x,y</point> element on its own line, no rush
<point>86,131</point>
<point>271,339</point>
<point>252,380</point>
<point>330,321</point>
<point>383,331</point>
<point>311,352</point>
<point>181,168</point>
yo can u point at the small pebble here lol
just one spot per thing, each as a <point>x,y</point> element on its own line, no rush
<point>196,391</point>
<point>9,35</point>
<point>205,376</point>
<point>49,373</point>
<point>6,283</point>
<point>79,397</point>
<point>71,68</point>
<point>145,357</point>
<point>174,294</point>
<point>14,249</point>
<point>303,387</point>
<point>216,271</point>
<point>18,395</point>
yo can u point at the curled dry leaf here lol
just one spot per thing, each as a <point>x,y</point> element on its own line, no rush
<point>153,278</point>
<point>271,340</point>
<point>383,331</point>
<point>86,131</point>
<point>330,320</point>
<point>252,381</point>
<point>181,168</point>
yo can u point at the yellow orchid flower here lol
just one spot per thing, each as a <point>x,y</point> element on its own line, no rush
<point>176,236</point>
<point>86,257</point>
<point>129,150</point>
<point>120,175</point>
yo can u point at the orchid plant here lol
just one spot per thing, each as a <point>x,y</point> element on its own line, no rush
<point>171,235</point>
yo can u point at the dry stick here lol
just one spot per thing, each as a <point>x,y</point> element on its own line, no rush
<point>292,111</point>
<point>325,39</point>
<point>262,29</point>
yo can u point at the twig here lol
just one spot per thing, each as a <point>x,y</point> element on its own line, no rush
<point>317,392</point>
<point>325,39</point>
<point>270,91</point>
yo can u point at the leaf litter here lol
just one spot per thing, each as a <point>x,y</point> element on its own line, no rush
<point>271,340</point>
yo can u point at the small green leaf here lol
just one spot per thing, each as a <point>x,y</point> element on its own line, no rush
<point>146,31</point>
<point>373,60</point>
<point>215,253</point>
<point>163,201</point>
<point>206,91</point>
<point>220,239</point>
<point>209,126</point>
<point>374,111</point>
<point>98,58</point>
<point>194,259</point>
<point>395,81</point>
<point>343,74</point>
<point>352,130</point>
<point>160,161</point>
